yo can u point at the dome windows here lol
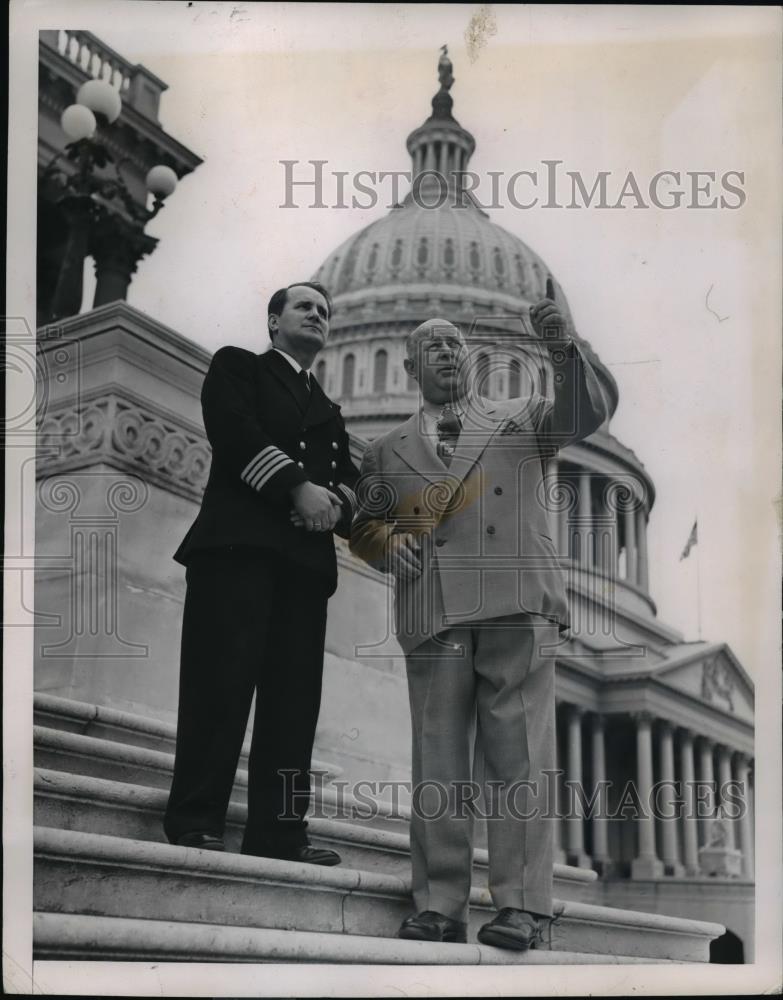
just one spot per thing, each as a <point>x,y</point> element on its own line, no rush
<point>521,273</point>
<point>422,256</point>
<point>514,379</point>
<point>474,259</point>
<point>380,367</point>
<point>372,262</point>
<point>395,258</point>
<point>483,371</point>
<point>499,266</point>
<point>449,257</point>
<point>349,370</point>
<point>540,285</point>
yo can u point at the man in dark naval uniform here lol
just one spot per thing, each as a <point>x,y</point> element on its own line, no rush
<point>261,567</point>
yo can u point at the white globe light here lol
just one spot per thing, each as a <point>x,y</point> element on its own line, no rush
<point>161,181</point>
<point>78,122</point>
<point>101,97</point>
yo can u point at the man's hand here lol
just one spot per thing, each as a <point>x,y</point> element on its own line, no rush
<point>549,324</point>
<point>403,556</point>
<point>315,507</point>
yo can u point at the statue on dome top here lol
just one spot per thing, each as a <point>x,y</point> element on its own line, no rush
<point>445,67</point>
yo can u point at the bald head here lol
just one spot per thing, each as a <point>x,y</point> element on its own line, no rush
<point>435,359</point>
<point>431,329</point>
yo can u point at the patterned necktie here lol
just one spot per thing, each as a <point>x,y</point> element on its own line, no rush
<point>448,427</point>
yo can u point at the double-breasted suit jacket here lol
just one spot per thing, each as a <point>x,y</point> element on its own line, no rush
<point>268,435</point>
<point>482,523</point>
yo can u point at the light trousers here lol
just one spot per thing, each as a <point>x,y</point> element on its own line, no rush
<point>482,699</point>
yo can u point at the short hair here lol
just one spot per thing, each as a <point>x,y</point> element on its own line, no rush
<point>279,299</point>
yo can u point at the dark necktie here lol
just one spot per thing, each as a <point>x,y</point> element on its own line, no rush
<point>448,427</point>
<point>305,379</point>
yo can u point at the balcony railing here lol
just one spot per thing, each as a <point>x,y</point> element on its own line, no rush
<point>137,86</point>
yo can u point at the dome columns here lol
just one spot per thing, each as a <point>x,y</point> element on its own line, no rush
<point>443,149</point>
<point>600,521</point>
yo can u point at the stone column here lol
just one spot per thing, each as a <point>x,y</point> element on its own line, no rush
<point>666,801</point>
<point>559,853</point>
<point>724,777</point>
<point>707,781</point>
<point>564,518</point>
<point>601,858</point>
<point>643,573</point>
<point>630,546</point>
<point>690,831</point>
<point>646,864</point>
<point>575,825</point>
<point>117,249</point>
<point>67,295</point>
<point>554,514</point>
<point>746,845</point>
<point>443,166</point>
<point>584,514</point>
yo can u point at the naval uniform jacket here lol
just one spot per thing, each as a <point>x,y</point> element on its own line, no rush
<point>268,435</point>
<point>483,522</point>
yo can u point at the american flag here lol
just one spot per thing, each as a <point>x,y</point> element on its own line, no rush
<point>693,539</point>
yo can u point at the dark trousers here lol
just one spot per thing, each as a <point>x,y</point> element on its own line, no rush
<point>253,621</point>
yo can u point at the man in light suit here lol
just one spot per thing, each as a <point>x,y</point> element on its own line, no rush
<point>452,502</point>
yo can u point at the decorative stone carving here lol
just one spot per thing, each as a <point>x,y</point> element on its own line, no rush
<point>717,681</point>
<point>716,858</point>
<point>122,433</point>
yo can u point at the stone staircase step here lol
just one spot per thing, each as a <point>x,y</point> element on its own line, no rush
<point>74,937</point>
<point>61,750</point>
<point>97,805</point>
<point>54,712</point>
<point>93,874</point>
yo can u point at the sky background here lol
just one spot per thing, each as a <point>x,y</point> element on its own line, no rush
<point>683,306</point>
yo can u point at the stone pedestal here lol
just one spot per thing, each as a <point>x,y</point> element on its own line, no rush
<point>725,862</point>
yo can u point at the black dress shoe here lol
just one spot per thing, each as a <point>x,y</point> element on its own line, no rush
<point>305,853</point>
<point>433,926</point>
<point>205,841</point>
<point>512,928</point>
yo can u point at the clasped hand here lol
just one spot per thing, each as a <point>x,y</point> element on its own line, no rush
<point>315,507</point>
<point>403,556</point>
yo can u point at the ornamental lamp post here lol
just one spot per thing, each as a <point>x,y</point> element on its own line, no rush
<point>103,217</point>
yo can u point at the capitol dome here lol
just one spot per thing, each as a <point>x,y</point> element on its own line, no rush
<point>420,262</point>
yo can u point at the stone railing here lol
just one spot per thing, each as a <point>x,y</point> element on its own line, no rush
<point>137,86</point>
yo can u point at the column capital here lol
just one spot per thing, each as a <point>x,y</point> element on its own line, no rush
<point>743,759</point>
<point>643,717</point>
<point>598,720</point>
<point>685,734</point>
<point>706,742</point>
<point>575,711</point>
<point>665,726</point>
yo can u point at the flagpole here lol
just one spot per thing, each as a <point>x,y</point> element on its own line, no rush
<point>698,584</point>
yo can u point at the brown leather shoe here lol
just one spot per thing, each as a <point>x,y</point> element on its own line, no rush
<point>511,928</point>
<point>433,926</point>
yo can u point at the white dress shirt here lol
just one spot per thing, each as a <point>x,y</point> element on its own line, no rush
<point>293,363</point>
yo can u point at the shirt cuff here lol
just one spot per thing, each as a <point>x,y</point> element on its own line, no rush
<point>349,496</point>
